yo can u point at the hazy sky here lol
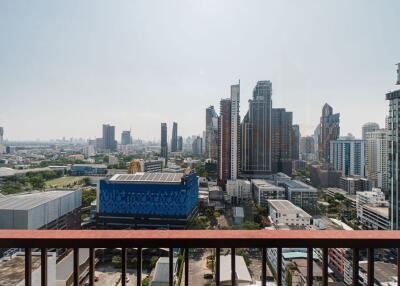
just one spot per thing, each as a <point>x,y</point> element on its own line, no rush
<point>66,67</point>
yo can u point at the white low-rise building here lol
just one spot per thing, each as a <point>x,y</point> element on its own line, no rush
<point>373,210</point>
<point>283,212</point>
<point>375,197</point>
<point>264,191</point>
<point>238,190</point>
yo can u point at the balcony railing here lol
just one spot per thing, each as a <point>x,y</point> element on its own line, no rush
<point>186,239</point>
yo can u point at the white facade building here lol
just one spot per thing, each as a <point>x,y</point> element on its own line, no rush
<point>238,190</point>
<point>373,210</point>
<point>377,157</point>
<point>235,125</point>
<point>264,191</point>
<point>283,212</point>
<point>374,197</point>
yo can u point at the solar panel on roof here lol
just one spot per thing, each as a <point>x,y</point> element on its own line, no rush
<point>149,177</point>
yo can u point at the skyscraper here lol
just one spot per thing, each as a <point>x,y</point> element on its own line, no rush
<point>109,142</point>
<point>307,148</point>
<point>394,154</point>
<point>164,142</point>
<point>180,143</point>
<point>368,127</point>
<point>376,158</point>
<point>1,140</point>
<point>224,141</point>
<point>174,139</point>
<point>235,131</point>
<point>126,138</point>
<point>211,136</point>
<point>256,133</point>
<point>295,141</point>
<point>348,156</point>
<point>281,140</point>
<point>197,146</point>
<point>329,130</point>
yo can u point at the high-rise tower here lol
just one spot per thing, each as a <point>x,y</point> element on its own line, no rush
<point>164,142</point>
<point>329,130</point>
<point>126,137</point>
<point>368,127</point>
<point>109,142</point>
<point>256,133</point>
<point>174,139</point>
<point>224,141</point>
<point>235,131</point>
<point>281,140</point>
<point>1,140</point>
<point>392,121</point>
<point>211,134</point>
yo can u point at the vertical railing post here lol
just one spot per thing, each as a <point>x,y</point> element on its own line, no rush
<point>398,264</point>
<point>264,267</point>
<point>139,266</point>
<point>171,266</point>
<point>43,266</point>
<point>217,266</point>
<point>325,266</point>
<point>28,267</point>
<point>279,267</point>
<point>76,266</point>
<point>91,266</point>
<point>186,267</point>
<point>233,266</point>
<point>123,266</point>
<point>370,267</point>
<point>355,266</point>
<point>310,265</point>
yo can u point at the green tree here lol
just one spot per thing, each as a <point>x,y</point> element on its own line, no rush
<point>153,261</point>
<point>88,196</point>
<point>146,281</point>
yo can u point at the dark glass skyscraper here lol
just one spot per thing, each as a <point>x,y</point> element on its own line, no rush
<point>281,122</point>
<point>109,142</point>
<point>164,142</point>
<point>224,141</point>
<point>180,143</point>
<point>295,142</point>
<point>174,139</point>
<point>211,138</point>
<point>256,133</point>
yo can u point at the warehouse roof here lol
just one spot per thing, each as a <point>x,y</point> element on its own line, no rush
<point>149,177</point>
<point>30,201</point>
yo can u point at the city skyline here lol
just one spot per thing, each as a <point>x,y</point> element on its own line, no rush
<point>90,67</point>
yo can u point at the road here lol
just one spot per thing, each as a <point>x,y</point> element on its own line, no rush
<point>198,267</point>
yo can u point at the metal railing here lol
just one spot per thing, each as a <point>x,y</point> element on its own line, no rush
<point>186,239</point>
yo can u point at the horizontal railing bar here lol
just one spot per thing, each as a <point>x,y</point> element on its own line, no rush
<point>194,238</point>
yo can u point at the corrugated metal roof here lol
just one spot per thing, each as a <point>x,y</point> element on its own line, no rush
<point>30,201</point>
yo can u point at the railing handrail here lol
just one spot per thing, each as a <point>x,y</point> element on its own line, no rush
<point>198,238</point>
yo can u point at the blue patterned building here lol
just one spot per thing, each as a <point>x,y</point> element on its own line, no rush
<point>145,198</point>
